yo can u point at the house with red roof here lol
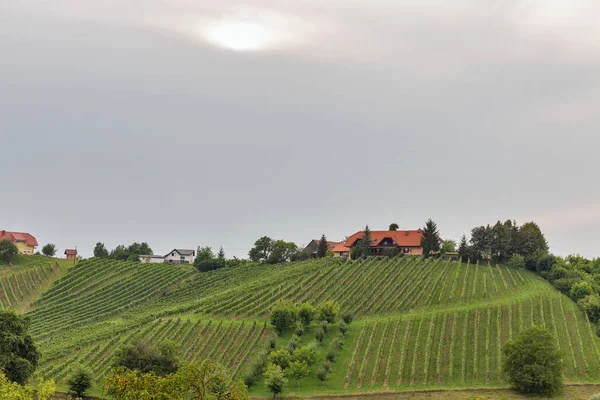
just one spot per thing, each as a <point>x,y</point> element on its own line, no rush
<point>71,254</point>
<point>25,242</point>
<point>313,247</point>
<point>407,242</point>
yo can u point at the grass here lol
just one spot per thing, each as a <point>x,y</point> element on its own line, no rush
<point>421,324</point>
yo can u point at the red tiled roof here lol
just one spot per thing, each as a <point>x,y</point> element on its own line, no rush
<point>341,247</point>
<point>401,238</point>
<point>70,252</point>
<point>18,236</point>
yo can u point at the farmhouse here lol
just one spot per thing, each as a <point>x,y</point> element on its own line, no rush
<point>151,258</point>
<point>25,242</point>
<point>407,242</point>
<point>180,256</point>
<point>313,246</point>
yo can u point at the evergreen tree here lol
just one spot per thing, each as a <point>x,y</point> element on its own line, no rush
<point>323,247</point>
<point>364,245</point>
<point>221,255</point>
<point>463,248</point>
<point>100,251</point>
<point>430,242</point>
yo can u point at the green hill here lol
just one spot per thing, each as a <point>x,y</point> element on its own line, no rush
<point>420,324</point>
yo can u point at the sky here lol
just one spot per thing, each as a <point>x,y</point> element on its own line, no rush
<point>215,122</point>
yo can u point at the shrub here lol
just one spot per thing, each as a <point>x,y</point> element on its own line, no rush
<point>516,261</point>
<point>322,374</point>
<point>8,251</point>
<point>331,354</point>
<point>306,313</point>
<point>79,382</point>
<point>283,316</point>
<point>273,340</point>
<point>325,326</point>
<point>343,328</point>
<point>337,343</point>
<point>328,311</point>
<point>307,354</point>
<point>532,362</point>
<point>580,290</point>
<point>319,334</point>
<point>300,329</point>
<point>591,306</point>
<point>148,357</point>
<point>292,344</point>
<point>209,265</point>
<point>275,379</point>
<point>348,317</point>
<point>280,358</point>
<point>595,396</point>
<point>546,263</point>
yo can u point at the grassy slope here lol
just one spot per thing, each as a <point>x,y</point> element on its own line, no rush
<point>421,324</point>
<point>23,282</point>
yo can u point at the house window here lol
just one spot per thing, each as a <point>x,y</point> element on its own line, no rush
<point>172,254</point>
<point>406,250</point>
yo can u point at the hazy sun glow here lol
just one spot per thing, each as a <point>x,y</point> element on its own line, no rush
<point>239,36</point>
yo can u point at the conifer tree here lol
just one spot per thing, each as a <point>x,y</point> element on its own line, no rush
<point>430,242</point>
<point>323,247</point>
<point>365,243</point>
<point>463,248</point>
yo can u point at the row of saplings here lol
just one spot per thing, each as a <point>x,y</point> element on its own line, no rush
<point>293,361</point>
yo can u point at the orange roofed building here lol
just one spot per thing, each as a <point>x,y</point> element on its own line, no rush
<point>25,242</point>
<point>407,242</point>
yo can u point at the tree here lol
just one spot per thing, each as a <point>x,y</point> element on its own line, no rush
<point>18,354</point>
<point>262,250</point>
<point>282,252</point>
<point>100,251</point>
<point>79,382</point>
<point>306,313</point>
<point>590,304</point>
<point>516,261</point>
<point>280,357</point>
<point>448,246</point>
<point>148,357</point>
<point>221,256</point>
<point>49,250</point>
<point>275,380</point>
<point>430,241</point>
<point>297,370</point>
<point>580,290</point>
<point>8,251</point>
<point>328,311</point>
<point>532,362</point>
<point>204,253</point>
<point>394,227</point>
<point>531,239</point>
<point>208,380</point>
<point>323,247</point>
<point>208,265</point>
<point>283,316</point>
<point>363,247</point>
<point>463,248</point>
<point>307,354</point>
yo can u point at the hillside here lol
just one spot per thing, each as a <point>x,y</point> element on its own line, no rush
<point>420,324</point>
<point>24,281</point>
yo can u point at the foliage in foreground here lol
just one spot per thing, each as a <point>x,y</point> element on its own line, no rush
<point>192,381</point>
<point>18,354</point>
<point>13,391</point>
<point>79,382</point>
<point>532,362</point>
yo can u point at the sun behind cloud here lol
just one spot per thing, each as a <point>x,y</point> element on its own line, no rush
<point>240,36</point>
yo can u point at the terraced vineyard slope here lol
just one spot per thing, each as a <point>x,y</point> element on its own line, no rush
<point>419,323</point>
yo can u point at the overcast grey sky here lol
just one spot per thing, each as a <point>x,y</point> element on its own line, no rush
<point>214,122</point>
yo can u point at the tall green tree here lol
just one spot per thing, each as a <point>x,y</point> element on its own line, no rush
<point>275,379</point>
<point>323,247</point>
<point>501,242</point>
<point>100,251</point>
<point>148,357</point>
<point>49,250</point>
<point>262,250</point>
<point>394,227</point>
<point>8,251</point>
<point>363,247</point>
<point>532,362</point>
<point>221,255</point>
<point>79,382</point>
<point>430,241</point>
<point>463,249</point>
<point>531,240</point>
<point>282,251</point>
<point>18,355</point>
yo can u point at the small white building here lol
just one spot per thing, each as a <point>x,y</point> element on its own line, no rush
<point>180,256</point>
<point>153,259</point>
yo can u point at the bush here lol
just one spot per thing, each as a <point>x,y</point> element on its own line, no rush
<point>348,317</point>
<point>275,380</point>
<point>307,354</point>
<point>565,284</point>
<point>328,311</point>
<point>331,354</point>
<point>546,263</point>
<point>79,382</point>
<point>283,316</point>
<point>516,261</point>
<point>595,396</point>
<point>209,265</point>
<point>322,374</point>
<point>306,313</point>
<point>292,344</point>
<point>319,334</point>
<point>8,251</point>
<point>591,306</point>
<point>273,340</point>
<point>325,326</point>
<point>148,357</point>
<point>580,290</point>
<point>532,362</point>
<point>343,328</point>
<point>300,329</point>
<point>280,358</point>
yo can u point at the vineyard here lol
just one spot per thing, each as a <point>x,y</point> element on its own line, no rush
<point>419,323</point>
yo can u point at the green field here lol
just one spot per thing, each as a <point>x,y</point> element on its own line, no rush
<point>419,324</point>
